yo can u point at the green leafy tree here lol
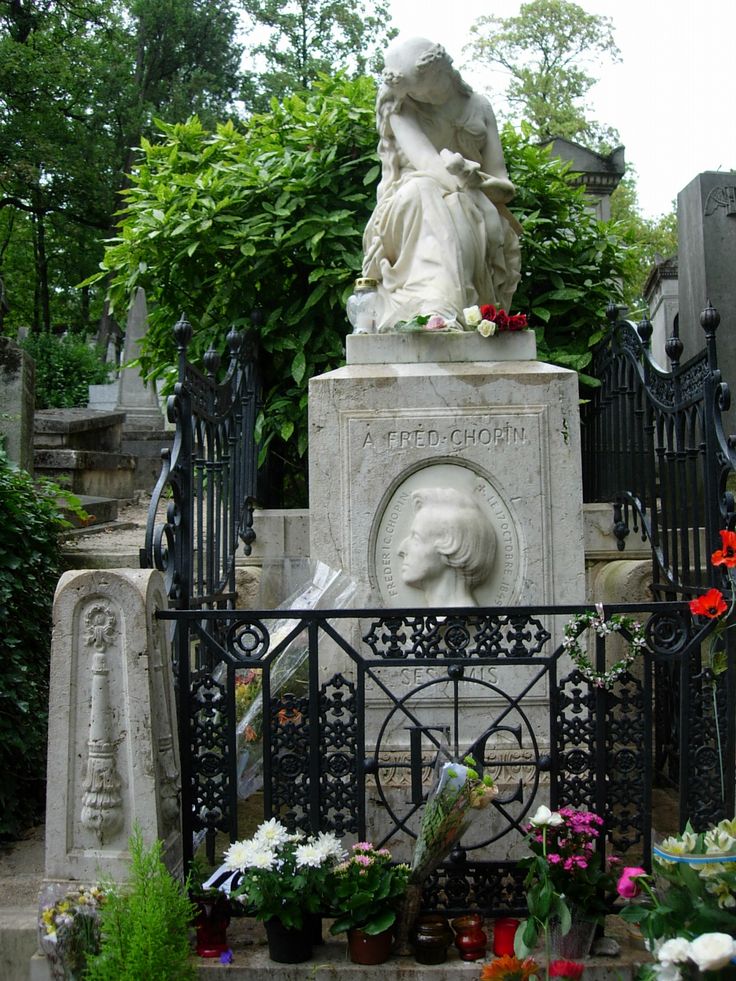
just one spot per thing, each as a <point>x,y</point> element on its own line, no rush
<point>269,216</point>
<point>216,224</point>
<point>82,82</point>
<point>649,239</point>
<point>307,38</point>
<point>547,51</point>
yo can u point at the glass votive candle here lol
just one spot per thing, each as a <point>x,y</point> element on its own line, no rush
<point>504,931</point>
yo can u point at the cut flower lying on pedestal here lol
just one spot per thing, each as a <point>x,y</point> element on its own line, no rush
<point>487,320</point>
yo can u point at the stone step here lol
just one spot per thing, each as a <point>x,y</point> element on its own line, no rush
<point>89,472</point>
<point>251,962</point>
<point>101,511</point>
<point>18,941</point>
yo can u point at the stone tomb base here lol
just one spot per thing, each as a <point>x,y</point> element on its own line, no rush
<point>505,432</point>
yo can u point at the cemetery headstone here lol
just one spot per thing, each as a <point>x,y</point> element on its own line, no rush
<point>17,399</point>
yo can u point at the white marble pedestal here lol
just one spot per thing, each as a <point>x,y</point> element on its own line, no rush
<point>504,430</point>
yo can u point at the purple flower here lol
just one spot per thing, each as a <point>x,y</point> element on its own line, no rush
<point>226,957</point>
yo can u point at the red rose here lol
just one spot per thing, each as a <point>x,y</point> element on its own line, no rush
<point>502,320</point>
<point>488,311</point>
<point>570,970</point>
<point>518,321</point>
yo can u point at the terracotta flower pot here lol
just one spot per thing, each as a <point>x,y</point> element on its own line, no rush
<point>369,948</point>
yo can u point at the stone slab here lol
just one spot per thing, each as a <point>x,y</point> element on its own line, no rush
<point>75,420</point>
<point>430,347</point>
<point>89,472</point>
<point>17,398</point>
<point>706,256</point>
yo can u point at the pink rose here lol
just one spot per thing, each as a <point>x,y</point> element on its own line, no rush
<point>628,887</point>
<point>436,322</point>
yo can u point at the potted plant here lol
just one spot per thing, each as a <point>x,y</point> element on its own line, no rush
<point>144,923</point>
<point>366,892</point>
<point>566,882</point>
<point>686,907</point>
<point>284,880</point>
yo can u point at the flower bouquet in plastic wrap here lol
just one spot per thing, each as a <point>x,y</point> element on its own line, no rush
<point>321,588</point>
<point>458,795</point>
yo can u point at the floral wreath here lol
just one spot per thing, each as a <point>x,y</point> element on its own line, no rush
<point>617,623</point>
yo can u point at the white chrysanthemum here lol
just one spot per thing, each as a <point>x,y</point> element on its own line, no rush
<point>237,855</point>
<point>674,951</point>
<point>308,856</point>
<point>712,951</point>
<point>330,846</point>
<point>262,858</point>
<point>472,316</point>
<point>272,833</point>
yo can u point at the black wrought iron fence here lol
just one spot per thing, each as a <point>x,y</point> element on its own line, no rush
<point>654,446</point>
<point>201,509</point>
<point>350,745</point>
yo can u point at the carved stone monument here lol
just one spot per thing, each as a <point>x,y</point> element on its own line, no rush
<point>403,450</point>
<point>706,215</point>
<point>113,756</point>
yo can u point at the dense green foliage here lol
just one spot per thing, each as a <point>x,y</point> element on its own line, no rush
<point>30,523</point>
<point>572,264</point>
<point>272,216</point>
<point>301,39</point>
<point>65,368</point>
<point>545,50</point>
<point>145,924</point>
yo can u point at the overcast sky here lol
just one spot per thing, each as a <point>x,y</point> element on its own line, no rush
<point>672,98</point>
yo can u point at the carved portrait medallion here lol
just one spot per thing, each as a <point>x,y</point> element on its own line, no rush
<point>444,535</point>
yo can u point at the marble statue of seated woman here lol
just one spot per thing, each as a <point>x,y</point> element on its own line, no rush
<point>440,238</point>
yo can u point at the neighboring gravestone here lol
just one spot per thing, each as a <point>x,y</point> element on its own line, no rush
<point>144,432</point>
<point>17,396</point>
<point>113,755</point>
<point>706,213</point>
<point>137,399</point>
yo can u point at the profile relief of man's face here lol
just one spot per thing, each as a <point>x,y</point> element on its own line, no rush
<point>450,547</point>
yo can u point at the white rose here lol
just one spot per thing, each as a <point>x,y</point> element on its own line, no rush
<point>712,951</point>
<point>667,972</point>
<point>544,817</point>
<point>675,951</point>
<point>487,328</point>
<point>472,316</point>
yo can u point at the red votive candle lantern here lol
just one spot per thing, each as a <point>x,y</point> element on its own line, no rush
<point>504,931</point>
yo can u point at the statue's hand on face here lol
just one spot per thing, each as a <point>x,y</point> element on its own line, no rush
<point>421,562</point>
